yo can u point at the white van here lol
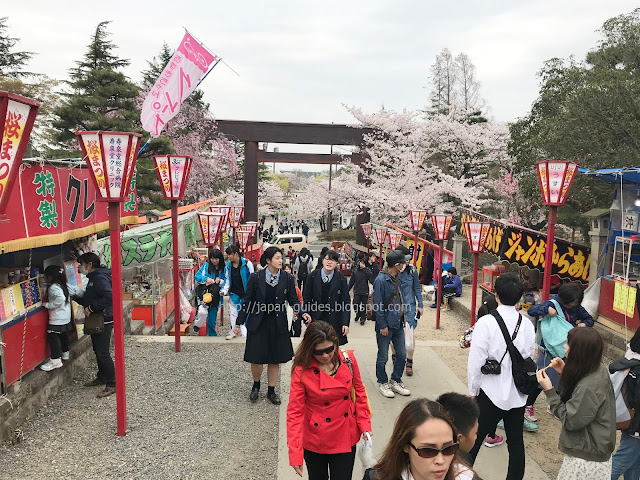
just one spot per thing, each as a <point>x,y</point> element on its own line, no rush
<point>286,240</point>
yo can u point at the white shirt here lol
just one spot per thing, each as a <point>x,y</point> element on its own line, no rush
<point>488,343</point>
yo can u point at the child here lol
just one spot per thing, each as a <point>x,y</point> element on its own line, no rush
<point>59,307</point>
<point>211,272</point>
<point>451,286</point>
<point>464,413</point>
<point>570,297</point>
<point>586,406</point>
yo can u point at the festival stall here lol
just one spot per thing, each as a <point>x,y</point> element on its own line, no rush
<point>53,215</point>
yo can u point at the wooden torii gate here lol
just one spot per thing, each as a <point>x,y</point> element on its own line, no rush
<point>252,133</point>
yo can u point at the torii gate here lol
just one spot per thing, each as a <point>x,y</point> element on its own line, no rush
<point>252,133</point>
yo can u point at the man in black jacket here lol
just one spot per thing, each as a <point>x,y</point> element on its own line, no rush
<point>97,298</point>
<point>360,277</point>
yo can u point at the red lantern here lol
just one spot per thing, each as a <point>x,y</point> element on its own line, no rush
<point>243,238</point>
<point>476,233</point>
<point>210,226</point>
<point>380,235</point>
<point>441,226</point>
<point>235,215</point>
<point>223,209</point>
<point>173,173</point>
<point>111,158</point>
<point>17,115</point>
<point>366,229</point>
<point>417,218</point>
<point>394,239</point>
<point>254,227</point>
<point>555,178</point>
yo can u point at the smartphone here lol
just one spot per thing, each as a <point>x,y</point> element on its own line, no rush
<point>418,315</point>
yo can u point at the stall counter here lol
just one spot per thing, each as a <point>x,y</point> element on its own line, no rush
<point>162,309</point>
<point>611,299</point>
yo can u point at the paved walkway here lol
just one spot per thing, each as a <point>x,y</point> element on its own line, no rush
<point>432,378</point>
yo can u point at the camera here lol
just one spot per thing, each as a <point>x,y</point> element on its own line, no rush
<point>491,367</point>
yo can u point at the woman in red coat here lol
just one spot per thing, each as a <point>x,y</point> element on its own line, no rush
<point>323,422</point>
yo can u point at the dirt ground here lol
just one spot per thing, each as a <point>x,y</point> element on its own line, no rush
<point>542,445</point>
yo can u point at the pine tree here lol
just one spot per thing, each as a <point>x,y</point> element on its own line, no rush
<point>11,62</point>
<point>101,97</point>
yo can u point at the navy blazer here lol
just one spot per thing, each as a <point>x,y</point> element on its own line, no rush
<point>339,306</point>
<point>254,307</point>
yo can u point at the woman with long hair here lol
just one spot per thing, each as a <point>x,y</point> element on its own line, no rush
<point>58,304</point>
<point>211,272</point>
<point>423,446</point>
<point>265,314</point>
<point>585,406</point>
<point>328,410</point>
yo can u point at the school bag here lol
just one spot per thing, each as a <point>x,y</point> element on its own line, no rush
<point>554,330</point>
<point>303,269</point>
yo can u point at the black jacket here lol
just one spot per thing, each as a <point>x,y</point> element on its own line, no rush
<point>253,307</point>
<point>98,296</point>
<point>339,305</point>
<point>634,365</point>
<point>375,270</point>
<point>360,278</point>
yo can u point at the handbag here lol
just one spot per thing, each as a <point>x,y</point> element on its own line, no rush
<point>94,324</point>
<point>554,330</point>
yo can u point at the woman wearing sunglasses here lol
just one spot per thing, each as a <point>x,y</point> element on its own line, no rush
<point>328,409</point>
<point>423,446</point>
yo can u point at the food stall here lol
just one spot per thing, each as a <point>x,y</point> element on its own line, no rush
<point>52,213</point>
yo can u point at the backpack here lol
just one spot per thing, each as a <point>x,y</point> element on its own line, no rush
<point>631,388</point>
<point>208,292</point>
<point>523,370</point>
<point>303,270</point>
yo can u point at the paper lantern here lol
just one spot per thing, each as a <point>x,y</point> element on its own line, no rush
<point>235,215</point>
<point>254,227</point>
<point>210,226</point>
<point>111,158</point>
<point>441,226</point>
<point>173,174</point>
<point>417,218</point>
<point>380,235</point>
<point>243,239</point>
<point>476,233</point>
<point>17,115</point>
<point>394,239</point>
<point>555,178</point>
<point>366,229</point>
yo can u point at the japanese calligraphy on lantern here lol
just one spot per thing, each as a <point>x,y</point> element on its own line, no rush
<point>235,214</point>
<point>366,229</point>
<point>394,239</point>
<point>16,118</point>
<point>176,82</point>
<point>417,219</point>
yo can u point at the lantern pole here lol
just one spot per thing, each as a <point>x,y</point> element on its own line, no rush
<point>176,274</point>
<point>474,288</point>
<point>439,295</point>
<point>415,248</point>
<point>548,255</point>
<point>118,325</point>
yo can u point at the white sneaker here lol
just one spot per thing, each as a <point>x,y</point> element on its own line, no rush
<point>399,387</point>
<point>385,390</point>
<point>230,336</point>
<point>51,364</point>
<point>65,355</point>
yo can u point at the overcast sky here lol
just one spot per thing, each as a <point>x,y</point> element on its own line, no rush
<point>300,61</point>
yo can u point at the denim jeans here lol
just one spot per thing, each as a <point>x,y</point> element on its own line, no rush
<point>395,336</point>
<point>102,347</point>
<point>626,460</point>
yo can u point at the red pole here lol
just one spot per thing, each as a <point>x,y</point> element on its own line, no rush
<point>415,248</point>
<point>474,288</point>
<point>548,256</point>
<point>118,324</point>
<point>176,272</point>
<point>368,248</point>
<point>222,307</point>
<point>439,293</point>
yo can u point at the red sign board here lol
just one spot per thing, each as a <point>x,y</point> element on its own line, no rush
<point>50,205</point>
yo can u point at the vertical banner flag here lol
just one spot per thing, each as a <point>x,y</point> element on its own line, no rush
<point>176,82</point>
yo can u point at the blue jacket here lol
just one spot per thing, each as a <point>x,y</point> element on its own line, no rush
<point>451,282</point>
<point>203,274</point>
<point>411,292</point>
<point>383,289</point>
<point>246,269</point>
<point>575,315</point>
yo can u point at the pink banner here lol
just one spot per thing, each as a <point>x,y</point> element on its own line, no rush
<point>178,79</point>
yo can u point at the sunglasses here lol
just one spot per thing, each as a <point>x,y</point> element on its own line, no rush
<point>324,350</point>
<point>430,452</point>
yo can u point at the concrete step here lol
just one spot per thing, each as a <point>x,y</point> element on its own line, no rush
<point>136,327</point>
<point>148,330</point>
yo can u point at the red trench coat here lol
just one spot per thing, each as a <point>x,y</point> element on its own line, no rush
<point>321,417</point>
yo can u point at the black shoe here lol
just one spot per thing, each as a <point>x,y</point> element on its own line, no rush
<point>274,398</point>
<point>362,322</point>
<point>94,383</point>
<point>253,396</point>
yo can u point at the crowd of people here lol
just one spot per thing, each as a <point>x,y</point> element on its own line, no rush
<point>329,412</point>
<point>283,226</point>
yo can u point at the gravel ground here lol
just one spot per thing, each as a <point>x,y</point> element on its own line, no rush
<point>189,417</point>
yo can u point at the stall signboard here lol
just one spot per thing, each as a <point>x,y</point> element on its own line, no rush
<point>50,205</point>
<point>143,245</point>
<point>527,248</point>
<point>624,299</point>
<point>349,251</point>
